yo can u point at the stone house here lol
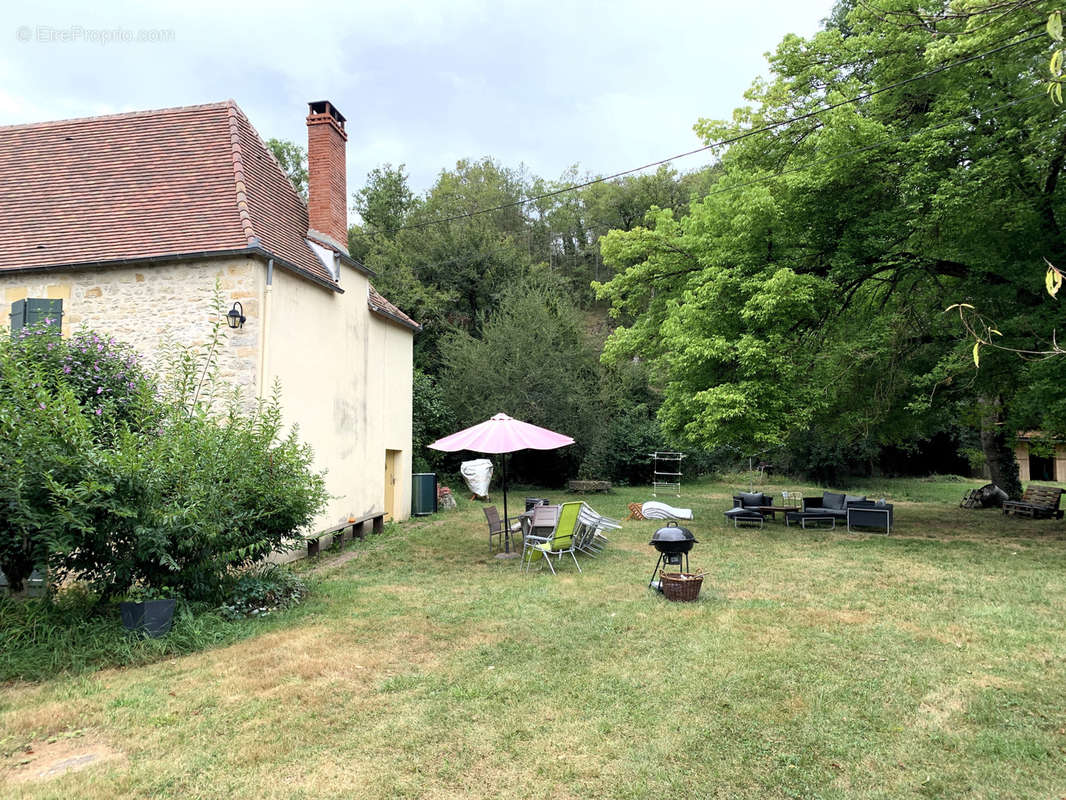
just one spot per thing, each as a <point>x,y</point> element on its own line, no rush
<point>128,223</point>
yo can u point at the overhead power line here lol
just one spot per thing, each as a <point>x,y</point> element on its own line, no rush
<point>721,142</point>
<point>770,176</point>
<point>969,116</point>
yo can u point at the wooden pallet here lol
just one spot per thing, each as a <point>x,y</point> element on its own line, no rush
<point>1038,502</point>
<point>589,486</point>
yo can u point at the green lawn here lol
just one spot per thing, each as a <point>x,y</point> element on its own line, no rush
<point>817,664</point>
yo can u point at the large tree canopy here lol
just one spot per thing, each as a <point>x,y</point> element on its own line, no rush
<point>501,286</point>
<point>803,297</point>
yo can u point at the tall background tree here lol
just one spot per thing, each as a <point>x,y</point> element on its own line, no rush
<point>800,303</point>
<point>786,301</point>
<point>502,288</point>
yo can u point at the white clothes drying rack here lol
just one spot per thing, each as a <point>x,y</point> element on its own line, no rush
<point>666,472</point>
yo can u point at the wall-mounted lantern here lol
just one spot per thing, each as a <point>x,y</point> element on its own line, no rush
<point>236,318</point>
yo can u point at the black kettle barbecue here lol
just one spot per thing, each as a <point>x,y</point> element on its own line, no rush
<point>673,543</point>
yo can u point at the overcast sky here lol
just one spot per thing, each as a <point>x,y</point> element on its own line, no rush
<point>607,85</point>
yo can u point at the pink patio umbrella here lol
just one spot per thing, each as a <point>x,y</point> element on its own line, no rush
<point>502,434</point>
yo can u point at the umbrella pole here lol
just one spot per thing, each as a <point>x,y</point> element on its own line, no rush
<point>506,519</point>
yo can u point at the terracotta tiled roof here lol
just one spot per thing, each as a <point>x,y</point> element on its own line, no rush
<point>144,185</point>
<point>379,305</point>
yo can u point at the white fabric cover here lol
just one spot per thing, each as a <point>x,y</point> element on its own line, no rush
<point>478,475</point>
<point>656,510</point>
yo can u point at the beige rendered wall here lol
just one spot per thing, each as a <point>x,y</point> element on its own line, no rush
<point>332,359</point>
<point>153,305</point>
<point>389,395</point>
<point>345,374</point>
<point>1021,455</point>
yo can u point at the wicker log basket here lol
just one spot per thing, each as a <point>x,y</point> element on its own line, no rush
<point>681,587</point>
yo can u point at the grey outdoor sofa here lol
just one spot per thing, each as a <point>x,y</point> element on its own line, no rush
<point>746,508</point>
<point>854,510</point>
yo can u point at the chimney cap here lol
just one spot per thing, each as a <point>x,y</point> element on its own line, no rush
<point>326,107</point>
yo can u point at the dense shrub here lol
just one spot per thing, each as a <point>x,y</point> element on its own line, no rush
<point>104,376</point>
<point>626,431</point>
<point>107,378</point>
<point>192,500</point>
<point>105,481</point>
<point>46,445</point>
<point>229,491</point>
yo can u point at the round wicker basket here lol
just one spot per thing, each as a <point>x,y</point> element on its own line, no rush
<point>681,587</point>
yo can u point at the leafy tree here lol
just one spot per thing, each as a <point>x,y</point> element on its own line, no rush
<point>572,222</point>
<point>532,361</point>
<point>432,419</point>
<point>293,161</point>
<point>447,266</point>
<point>384,204</point>
<point>802,296</point>
<point>385,201</point>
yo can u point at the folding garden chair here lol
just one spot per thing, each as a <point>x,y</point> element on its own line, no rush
<point>551,534</point>
<point>586,538</point>
<point>591,539</point>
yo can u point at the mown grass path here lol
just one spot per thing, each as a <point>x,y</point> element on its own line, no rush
<point>817,664</point>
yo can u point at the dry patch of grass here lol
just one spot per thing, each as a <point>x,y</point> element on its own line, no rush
<point>938,707</point>
<point>44,719</point>
<point>52,758</point>
<point>330,565</point>
<point>942,707</point>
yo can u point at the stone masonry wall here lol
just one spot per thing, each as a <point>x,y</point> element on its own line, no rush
<point>153,305</point>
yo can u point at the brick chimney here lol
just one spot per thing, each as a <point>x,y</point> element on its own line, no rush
<point>327,189</point>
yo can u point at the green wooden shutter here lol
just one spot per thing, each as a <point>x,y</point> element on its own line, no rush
<point>33,311</point>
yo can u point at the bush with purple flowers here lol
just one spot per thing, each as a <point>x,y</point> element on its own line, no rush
<point>110,481</point>
<point>107,378</point>
<point>62,404</point>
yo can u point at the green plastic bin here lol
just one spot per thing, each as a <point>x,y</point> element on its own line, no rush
<point>423,493</point>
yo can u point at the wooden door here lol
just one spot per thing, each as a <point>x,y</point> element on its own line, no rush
<point>391,457</point>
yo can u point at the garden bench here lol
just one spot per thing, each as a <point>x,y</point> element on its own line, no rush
<point>358,526</point>
<point>1038,502</point>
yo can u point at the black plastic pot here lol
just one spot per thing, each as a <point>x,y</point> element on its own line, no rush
<point>151,617</point>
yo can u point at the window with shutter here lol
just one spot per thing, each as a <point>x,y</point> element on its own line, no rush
<point>29,312</point>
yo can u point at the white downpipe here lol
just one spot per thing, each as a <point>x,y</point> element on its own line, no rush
<point>264,330</point>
